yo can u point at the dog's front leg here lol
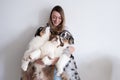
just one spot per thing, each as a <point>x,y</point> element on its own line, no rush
<point>47,61</point>
<point>35,55</point>
<point>63,60</point>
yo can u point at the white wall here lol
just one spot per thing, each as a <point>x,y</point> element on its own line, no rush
<point>95,25</point>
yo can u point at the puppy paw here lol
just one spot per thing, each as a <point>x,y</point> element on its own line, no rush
<point>24,65</point>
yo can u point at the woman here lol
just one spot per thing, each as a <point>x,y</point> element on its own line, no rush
<point>57,25</point>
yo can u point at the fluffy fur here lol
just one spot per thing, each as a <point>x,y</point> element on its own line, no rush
<point>34,52</point>
<point>53,49</point>
<point>67,40</point>
<point>40,47</point>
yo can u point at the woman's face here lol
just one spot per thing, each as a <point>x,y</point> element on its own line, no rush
<point>56,18</point>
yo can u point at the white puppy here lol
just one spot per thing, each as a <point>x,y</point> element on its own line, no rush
<point>34,52</point>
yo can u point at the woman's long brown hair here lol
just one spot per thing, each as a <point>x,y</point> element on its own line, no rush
<point>61,26</point>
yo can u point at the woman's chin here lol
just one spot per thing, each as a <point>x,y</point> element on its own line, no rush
<point>56,24</point>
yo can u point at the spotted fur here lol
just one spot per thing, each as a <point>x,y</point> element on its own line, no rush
<point>71,70</point>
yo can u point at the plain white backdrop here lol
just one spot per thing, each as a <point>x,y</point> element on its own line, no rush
<point>95,25</point>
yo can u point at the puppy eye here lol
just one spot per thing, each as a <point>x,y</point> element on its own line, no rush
<point>41,28</point>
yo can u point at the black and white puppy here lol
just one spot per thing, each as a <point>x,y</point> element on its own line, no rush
<point>66,39</point>
<point>66,35</point>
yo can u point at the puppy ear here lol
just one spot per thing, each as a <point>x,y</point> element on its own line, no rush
<point>71,40</point>
<point>38,31</point>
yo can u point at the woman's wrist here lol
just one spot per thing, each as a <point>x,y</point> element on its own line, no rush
<point>55,60</point>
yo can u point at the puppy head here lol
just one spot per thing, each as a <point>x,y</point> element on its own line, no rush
<point>42,30</point>
<point>66,36</point>
<point>55,39</point>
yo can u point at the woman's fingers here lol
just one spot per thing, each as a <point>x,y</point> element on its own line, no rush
<point>38,61</point>
<point>71,49</point>
<point>55,61</point>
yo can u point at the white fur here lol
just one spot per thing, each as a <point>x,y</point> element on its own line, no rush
<point>52,50</point>
<point>34,52</point>
<point>63,60</point>
<point>40,47</point>
<point>39,74</point>
<point>48,50</point>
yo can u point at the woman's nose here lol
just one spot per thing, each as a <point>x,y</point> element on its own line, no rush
<point>57,20</point>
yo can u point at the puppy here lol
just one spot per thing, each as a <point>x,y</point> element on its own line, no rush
<point>66,39</point>
<point>33,52</point>
<point>43,72</point>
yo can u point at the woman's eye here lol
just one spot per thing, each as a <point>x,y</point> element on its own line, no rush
<point>59,17</point>
<point>54,17</point>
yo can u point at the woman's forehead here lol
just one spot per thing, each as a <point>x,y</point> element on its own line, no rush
<point>55,13</point>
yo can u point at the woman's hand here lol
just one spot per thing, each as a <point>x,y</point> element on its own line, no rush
<point>39,61</point>
<point>71,49</point>
<point>55,60</point>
